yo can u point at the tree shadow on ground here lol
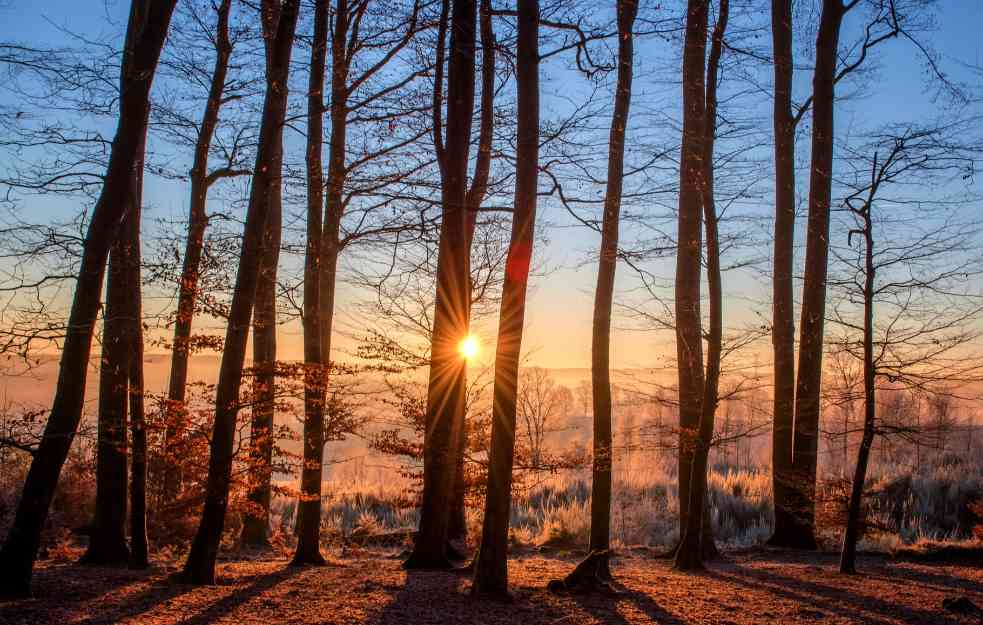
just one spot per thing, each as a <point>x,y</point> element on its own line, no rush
<point>823,598</point>
<point>606,608</point>
<point>259,585</point>
<point>75,586</point>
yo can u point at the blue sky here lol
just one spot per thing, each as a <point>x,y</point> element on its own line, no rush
<point>560,306</point>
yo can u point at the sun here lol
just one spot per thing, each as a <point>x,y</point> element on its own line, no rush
<point>470,347</point>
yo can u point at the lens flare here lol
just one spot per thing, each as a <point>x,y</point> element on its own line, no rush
<point>469,348</point>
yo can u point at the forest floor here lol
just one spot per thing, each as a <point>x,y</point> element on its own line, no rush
<point>757,586</point>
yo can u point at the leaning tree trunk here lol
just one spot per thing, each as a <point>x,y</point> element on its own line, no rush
<point>851,533</point>
<point>107,541</point>
<point>447,388</point>
<point>149,21</point>
<point>130,237</point>
<point>197,223</point>
<point>807,392</point>
<point>689,339</point>
<point>600,513</point>
<point>315,376</point>
<point>200,566</point>
<point>696,542</point>
<point>491,565</point>
<point>783,321</point>
<point>476,194</point>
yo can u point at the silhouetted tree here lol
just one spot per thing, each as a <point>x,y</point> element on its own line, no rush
<point>491,564</point>
<point>148,23</point>
<point>446,391</point>
<point>200,565</point>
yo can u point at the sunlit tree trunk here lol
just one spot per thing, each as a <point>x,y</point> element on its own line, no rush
<point>200,566</point>
<point>783,320</point>
<point>197,223</point>
<point>491,566</point>
<point>309,508</point>
<point>807,392</point>
<point>446,392</point>
<point>150,19</point>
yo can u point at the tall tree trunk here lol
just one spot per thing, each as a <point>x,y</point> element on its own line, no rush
<point>807,392</point>
<point>476,194</point>
<point>130,236</point>
<point>600,513</point>
<point>255,527</point>
<point>696,541</point>
<point>851,533</point>
<point>149,21</point>
<point>200,566</point>
<point>315,374</point>
<point>689,339</point>
<point>783,320</point>
<point>107,542</point>
<point>256,523</point>
<point>197,223</point>
<point>491,566</point>
<point>446,392</point>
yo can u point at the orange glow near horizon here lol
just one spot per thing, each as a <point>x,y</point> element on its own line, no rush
<point>469,347</point>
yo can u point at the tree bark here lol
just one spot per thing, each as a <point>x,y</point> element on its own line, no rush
<point>851,533</point>
<point>807,392</point>
<point>255,527</point>
<point>446,391</point>
<point>689,340</point>
<point>601,476</point>
<point>200,566</point>
<point>107,542</point>
<point>130,237</point>
<point>197,223</point>
<point>491,565</point>
<point>149,21</point>
<point>783,304</point>
<point>315,373</point>
<point>697,537</point>
<point>476,194</point>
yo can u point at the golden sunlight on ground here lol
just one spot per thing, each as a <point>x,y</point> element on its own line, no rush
<point>470,347</point>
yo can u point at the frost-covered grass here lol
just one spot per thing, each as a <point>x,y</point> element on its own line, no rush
<point>906,506</point>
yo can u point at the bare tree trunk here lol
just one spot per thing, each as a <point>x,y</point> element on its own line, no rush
<point>851,533</point>
<point>600,514</point>
<point>107,542</point>
<point>476,194</point>
<point>696,541</point>
<point>200,566</point>
<point>446,392</point>
<point>689,339</point>
<point>197,223</point>
<point>255,527</point>
<point>783,304</point>
<point>315,375</point>
<point>149,21</point>
<point>807,393</point>
<point>491,566</point>
<point>134,339</point>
